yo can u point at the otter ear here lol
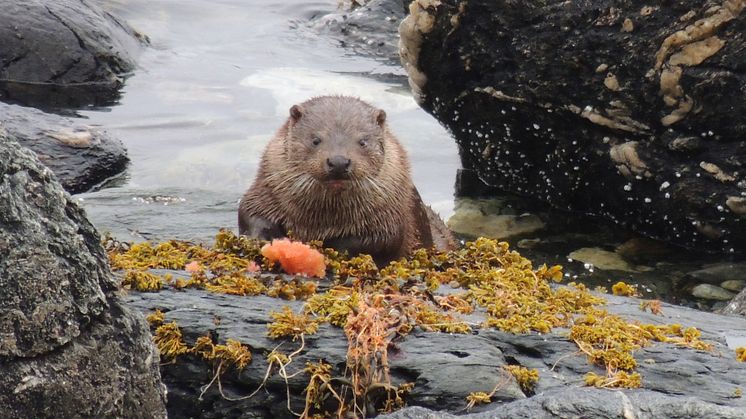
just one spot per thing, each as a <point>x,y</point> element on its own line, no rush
<point>380,117</point>
<point>296,112</point>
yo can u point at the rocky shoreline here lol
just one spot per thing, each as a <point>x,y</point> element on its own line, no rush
<point>66,318</point>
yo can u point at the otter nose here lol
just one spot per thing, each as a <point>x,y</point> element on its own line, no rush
<point>338,165</point>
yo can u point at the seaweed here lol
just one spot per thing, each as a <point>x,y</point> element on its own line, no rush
<point>143,281</point>
<point>376,307</point>
<point>526,378</point>
<point>289,324</point>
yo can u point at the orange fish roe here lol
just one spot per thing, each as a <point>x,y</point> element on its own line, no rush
<point>295,257</point>
<point>253,267</point>
<point>193,266</point>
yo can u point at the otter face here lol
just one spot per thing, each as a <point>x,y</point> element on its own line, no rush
<point>336,140</point>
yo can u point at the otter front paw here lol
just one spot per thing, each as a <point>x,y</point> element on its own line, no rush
<point>382,253</point>
<point>260,228</point>
<point>352,245</point>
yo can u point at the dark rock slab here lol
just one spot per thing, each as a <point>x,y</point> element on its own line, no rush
<point>63,53</point>
<point>80,155</point>
<point>589,403</point>
<point>446,368</point>
<point>599,107</point>
<point>68,346</point>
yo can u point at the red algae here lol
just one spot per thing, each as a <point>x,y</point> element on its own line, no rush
<point>295,257</point>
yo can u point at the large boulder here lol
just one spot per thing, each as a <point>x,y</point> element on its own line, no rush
<point>628,110</point>
<point>63,53</point>
<point>80,155</point>
<point>68,346</point>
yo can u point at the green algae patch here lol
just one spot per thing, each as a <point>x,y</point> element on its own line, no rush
<point>289,324</point>
<point>335,305</point>
<point>609,341</point>
<point>375,307</point>
<point>232,354</point>
<point>156,318</point>
<point>168,340</point>
<point>619,379</point>
<point>143,281</point>
<point>169,255</point>
<point>235,283</point>
<point>624,289</point>
<point>167,337</point>
<point>526,378</point>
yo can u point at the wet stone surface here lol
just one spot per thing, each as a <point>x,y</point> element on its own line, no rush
<point>63,53</point>
<point>80,155</point>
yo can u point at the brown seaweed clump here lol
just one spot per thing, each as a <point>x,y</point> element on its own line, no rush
<point>376,307</point>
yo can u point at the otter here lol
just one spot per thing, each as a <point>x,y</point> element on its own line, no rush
<point>334,172</point>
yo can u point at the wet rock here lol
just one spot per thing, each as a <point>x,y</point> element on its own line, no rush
<point>63,53</point>
<point>369,30</point>
<point>734,285</point>
<point>737,305</point>
<point>719,272</point>
<point>489,218</point>
<point>604,260</point>
<point>528,243</point>
<point>587,402</point>
<point>80,155</point>
<point>711,292</point>
<point>445,368</point>
<point>524,88</point>
<point>68,345</point>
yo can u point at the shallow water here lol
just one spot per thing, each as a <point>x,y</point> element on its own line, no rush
<point>218,81</point>
<point>211,91</point>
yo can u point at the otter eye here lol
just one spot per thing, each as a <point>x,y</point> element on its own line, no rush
<point>363,142</point>
<point>315,140</point>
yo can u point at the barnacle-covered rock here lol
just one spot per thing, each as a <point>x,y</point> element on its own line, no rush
<point>68,346</point>
<point>631,111</point>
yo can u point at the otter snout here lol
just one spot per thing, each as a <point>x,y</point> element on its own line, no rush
<point>338,166</point>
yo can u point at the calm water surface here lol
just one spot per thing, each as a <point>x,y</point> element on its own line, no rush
<point>210,93</point>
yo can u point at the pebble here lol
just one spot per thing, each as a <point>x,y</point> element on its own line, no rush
<point>604,260</point>
<point>712,292</point>
<point>734,285</point>
<point>478,219</point>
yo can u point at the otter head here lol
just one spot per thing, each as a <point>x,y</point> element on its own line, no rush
<point>337,140</point>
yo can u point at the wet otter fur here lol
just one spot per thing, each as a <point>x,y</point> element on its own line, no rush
<point>335,172</point>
